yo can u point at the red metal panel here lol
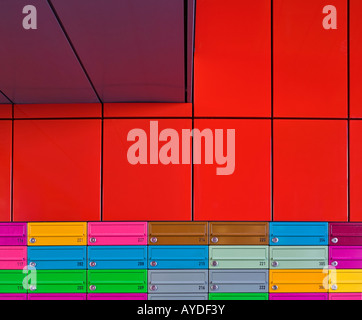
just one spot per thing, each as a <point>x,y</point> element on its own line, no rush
<point>145,192</point>
<point>57,170</point>
<point>233,58</point>
<point>310,62</point>
<point>5,169</point>
<point>356,170</point>
<point>310,170</point>
<point>82,110</point>
<point>5,111</point>
<point>245,194</point>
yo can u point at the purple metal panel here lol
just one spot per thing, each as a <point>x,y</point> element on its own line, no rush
<point>133,50</point>
<point>56,296</point>
<point>13,234</point>
<point>117,296</point>
<point>3,99</point>
<point>38,66</point>
<point>13,296</point>
<point>298,296</point>
<point>190,47</point>
<point>345,234</point>
<point>343,257</point>
<point>345,296</point>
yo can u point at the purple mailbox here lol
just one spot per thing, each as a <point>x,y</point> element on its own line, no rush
<point>13,234</point>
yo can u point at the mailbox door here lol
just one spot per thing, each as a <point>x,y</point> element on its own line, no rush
<point>177,281</point>
<point>177,233</point>
<point>299,233</point>
<point>344,257</point>
<point>345,234</point>
<point>345,281</point>
<point>238,296</point>
<point>13,296</point>
<point>117,257</point>
<point>117,281</point>
<point>239,233</point>
<point>297,257</point>
<point>117,233</point>
<point>58,281</point>
<point>13,257</point>
<point>13,234</point>
<point>11,281</point>
<point>172,296</point>
<point>345,296</point>
<point>298,296</point>
<point>229,281</point>
<point>178,257</point>
<point>302,281</point>
<point>57,258</point>
<point>57,234</point>
<point>238,257</point>
<point>117,296</point>
<point>55,296</point>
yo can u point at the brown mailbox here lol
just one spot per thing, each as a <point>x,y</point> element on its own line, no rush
<point>177,233</point>
<point>239,233</point>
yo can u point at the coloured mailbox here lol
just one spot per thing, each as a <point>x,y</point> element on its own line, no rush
<point>345,234</point>
<point>298,233</point>
<point>11,281</point>
<point>239,257</point>
<point>117,257</point>
<point>177,281</point>
<point>238,233</point>
<point>13,296</point>
<point>242,281</point>
<point>177,233</point>
<point>238,296</point>
<point>172,296</point>
<point>57,234</point>
<point>13,234</point>
<point>298,257</point>
<point>117,233</point>
<point>178,257</point>
<point>345,281</point>
<point>57,281</point>
<point>298,296</point>
<point>57,257</point>
<point>345,296</point>
<point>301,281</point>
<point>13,257</point>
<point>55,296</point>
<point>117,281</point>
<point>117,296</point>
<point>346,257</point>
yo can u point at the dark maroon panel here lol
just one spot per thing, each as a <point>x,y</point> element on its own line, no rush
<point>3,99</point>
<point>190,47</point>
<point>133,50</point>
<point>38,66</point>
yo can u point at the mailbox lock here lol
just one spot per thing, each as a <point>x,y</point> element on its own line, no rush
<point>32,264</point>
<point>214,239</point>
<point>275,263</point>
<point>214,287</point>
<point>275,240</point>
<point>93,240</point>
<point>334,263</point>
<point>153,263</point>
<point>335,240</point>
<point>92,264</point>
<point>32,240</point>
<point>275,287</point>
<point>32,288</point>
<point>153,239</point>
<point>334,287</point>
<point>153,288</point>
<point>92,288</point>
<point>215,263</point>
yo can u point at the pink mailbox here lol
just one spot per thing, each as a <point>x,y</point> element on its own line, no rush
<point>13,257</point>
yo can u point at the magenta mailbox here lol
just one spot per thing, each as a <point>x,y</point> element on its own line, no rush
<point>117,296</point>
<point>56,296</point>
<point>14,296</point>
<point>346,257</point>
<point>298,296</point>
<point>345,234</point>
<point>13,234</point>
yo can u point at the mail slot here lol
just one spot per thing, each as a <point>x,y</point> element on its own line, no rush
<point>117,257</point>
<point>11,281</point>
<point>57,258</point>
<point>298,296</point>
<point>57,281</point>
<point>238,233</point>
<point>13,296</point>
<point>230,281</point>
<point>177,281</point>
<point>177,233</point>
<point>297,257</point>
<point>57,234</point>
<point>55,296</point>
<point>345,281</point>
<point>345,296</point>
<point>13,234</point>
<point>345,234</point>
<point>117,281</point>
<point>178,257</point>
<point>117,233</point>
<point>239,257</point>
<point>13,257</point>
<point>346,257</point>
<point>298,281</point>
<point>238,296</point>
<point>117,296</point>
<point>298,233</point>
<point>173,296</point>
